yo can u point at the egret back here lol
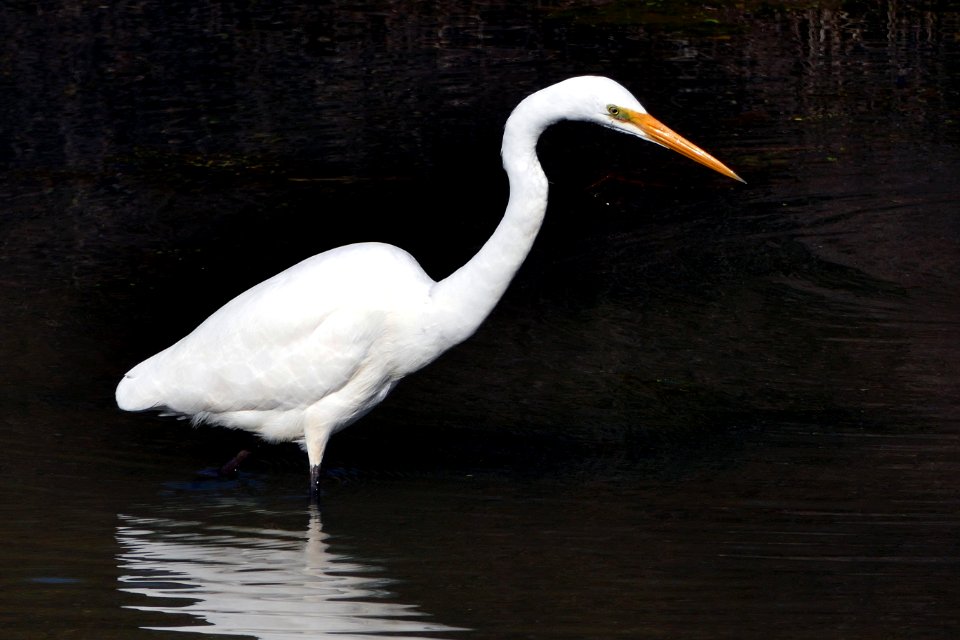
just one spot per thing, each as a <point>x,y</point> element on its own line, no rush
<point>291,341</point>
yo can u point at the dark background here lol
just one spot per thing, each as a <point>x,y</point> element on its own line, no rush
<point>703,409</point>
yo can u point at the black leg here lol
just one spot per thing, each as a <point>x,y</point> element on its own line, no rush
<point>315,482</point>
<point>229,470</point>
<point>231,467</point>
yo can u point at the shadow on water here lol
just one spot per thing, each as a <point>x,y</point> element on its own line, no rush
<point>702,410</point>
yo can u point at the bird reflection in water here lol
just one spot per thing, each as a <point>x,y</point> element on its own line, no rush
<point>269,584</point>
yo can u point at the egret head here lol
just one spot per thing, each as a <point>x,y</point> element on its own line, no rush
<point>607,103</point>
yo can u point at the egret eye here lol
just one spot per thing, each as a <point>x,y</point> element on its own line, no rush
<point>616,112</point>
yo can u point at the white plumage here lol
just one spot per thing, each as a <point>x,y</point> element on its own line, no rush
<point>309,351</point>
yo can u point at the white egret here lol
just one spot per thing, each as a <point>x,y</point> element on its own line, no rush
<point>304,354</point>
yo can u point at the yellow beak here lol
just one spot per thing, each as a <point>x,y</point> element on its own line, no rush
<point>667,137</point>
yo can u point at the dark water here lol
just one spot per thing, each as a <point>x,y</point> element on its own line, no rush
<point>703,410</point>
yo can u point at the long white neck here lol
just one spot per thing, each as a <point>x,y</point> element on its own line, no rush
<point>465,298</point>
